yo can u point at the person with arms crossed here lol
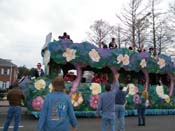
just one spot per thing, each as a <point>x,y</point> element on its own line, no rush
<point>38,71</point>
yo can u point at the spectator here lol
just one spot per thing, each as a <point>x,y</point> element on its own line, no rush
<point>104,78</point>
<point>103,45</point>
<point>57,113</point>
<point>151,51</point>
<point>130,48</point>
<point>141,104</point>
<point>96,78</point>
<point>60,37</point>
<point>141,49</point>
<point>112,44</point>
<point>68,38</point>
<point>64,35</point>
<point>106,106</point>
<point>120,100</point>
<point>15,97</point>
<point>39,71</point>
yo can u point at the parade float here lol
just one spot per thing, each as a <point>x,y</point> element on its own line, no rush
<point>138,71</point>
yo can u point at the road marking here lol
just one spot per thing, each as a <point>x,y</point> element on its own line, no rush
<point>21,126</point>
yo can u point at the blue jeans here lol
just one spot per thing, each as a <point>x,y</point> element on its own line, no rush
<point>106,122</point>
<point>120,114</point>
<point>13,111</point>
<point>141,115</point>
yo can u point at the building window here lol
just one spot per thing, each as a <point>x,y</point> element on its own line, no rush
<point>2,71</point>
<point>6,71</point>
<point>4,85</point>
<point>1,84</point>
<point>7,84</point>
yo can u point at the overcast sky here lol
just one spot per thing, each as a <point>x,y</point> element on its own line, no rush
<point>25,23</point>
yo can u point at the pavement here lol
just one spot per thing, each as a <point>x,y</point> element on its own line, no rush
<point>4,107</point>
<point>153,123</point>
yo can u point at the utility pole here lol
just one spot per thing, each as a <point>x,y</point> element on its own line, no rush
<point>154,30</point>
<point>118,36</point>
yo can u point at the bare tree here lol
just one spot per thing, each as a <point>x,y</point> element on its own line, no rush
<point>172,14</point>
<point>117,33</point>
<point>153,26</point>
<point>132,19</point>
<point>161,30</point>
<point>171,19</point>
<point>164,36</point>
<point>100,32</point>
<point>141,29</point>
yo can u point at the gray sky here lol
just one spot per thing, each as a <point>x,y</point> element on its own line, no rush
<point>25,23</point>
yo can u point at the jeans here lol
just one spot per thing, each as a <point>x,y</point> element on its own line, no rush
<point>141,116</point>
<point>120,114</point>
<point>13,111</point>
<point>106,122</point>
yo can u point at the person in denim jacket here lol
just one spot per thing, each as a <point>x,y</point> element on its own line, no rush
<point>57,112</point>
<point>106,105</point>
<point>106,108</point>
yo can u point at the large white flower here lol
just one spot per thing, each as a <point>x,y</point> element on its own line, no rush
<point>77,99</point>
<point>123,59</point>
<point>120,58</point>
<point>161,63</point>
<point>69,54</point>
<point>125,88</point>
<point>93,54</point>
<point>159,91</point>
<point>143,63</point>
<point>96,88</point>
<point>132,89</point>
<point>40,84</point>
<point>166,98</point>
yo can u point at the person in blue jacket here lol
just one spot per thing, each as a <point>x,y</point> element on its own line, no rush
<point>106,105</point>
<point>57,113</point>
<point>106,108</point>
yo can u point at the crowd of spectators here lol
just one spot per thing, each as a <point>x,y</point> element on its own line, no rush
<point>65,36</point>
<point>112,44</point>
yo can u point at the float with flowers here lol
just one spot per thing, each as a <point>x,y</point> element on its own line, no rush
<point>94,67</point>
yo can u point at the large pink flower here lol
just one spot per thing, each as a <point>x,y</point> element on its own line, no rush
<point>94,101</point>
<point>37,103</point>
<point>136,99</point>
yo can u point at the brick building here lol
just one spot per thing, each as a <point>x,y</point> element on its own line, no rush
<point>8,73</point>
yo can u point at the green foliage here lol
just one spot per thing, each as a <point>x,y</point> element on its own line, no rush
<point>22,71</point>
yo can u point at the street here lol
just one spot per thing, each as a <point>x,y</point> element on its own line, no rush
<point>153,123</point>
